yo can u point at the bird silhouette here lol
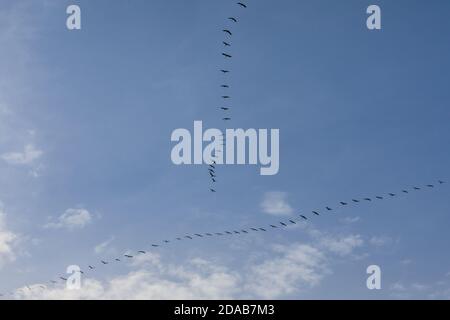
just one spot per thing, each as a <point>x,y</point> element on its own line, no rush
<point>128,256</point>
<point>344,203</point>
<point>224,108</point>
<point>226,44</point>
<point>225,86</point>
<point>316,213</point>
<point>212,190</point>
<point>142,252</point>
<point>226,119</point>
<point>355,201</point>
<point>227,31</point>
<point>328,208</point>
<point>378,197</point>
<point>224,71</point>
<point>303,217</point>
<point>226,55</point>
<point>232,19</point>
<point>104,262</point>
<point>242,4</point>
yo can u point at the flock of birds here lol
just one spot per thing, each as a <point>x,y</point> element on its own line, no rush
<point>225,96</point>
<point>301,217</point>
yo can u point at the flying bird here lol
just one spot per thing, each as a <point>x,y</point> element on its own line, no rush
<point>404,191</point>
<point>128,256</point>
<point>262,229</point>
<point>316,213</point>
<point>227,31</point>
<point>155,245</point>
<point>392,194</point>
<point>232,19</point>
<point>354,200</point>
<point>367,199</point>
<point>224,71</point>
<point>226,97</point>
<point>273,226</point>
<point>224,108</point>
<point>62,278</point>
<point>254,229</point>
<point>283,224</point>
<point>104,262</point>
<point>189,237</point>
<point>378,197</point>
<point>244,231</point>
<point>328,208</point>
<point>225,86</point>
<point>117,259</point>
<point>226,44</point>
<point>344,203</point>
<point>226,55</point>
<point>212,190</point>
<point>441,182</point>
<point>198,235</point>
<point>141,252</point>
<point>416,188</point>
<point>430,186</point>
<point>305,218</point>
<point>292,221</point>
<point>91,267</point>
<point>242,4</point>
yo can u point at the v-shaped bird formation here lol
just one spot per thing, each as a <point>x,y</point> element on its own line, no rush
<point>91,269</point>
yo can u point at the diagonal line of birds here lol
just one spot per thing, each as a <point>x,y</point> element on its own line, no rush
<point>284,224</point>
<point>225,97</point>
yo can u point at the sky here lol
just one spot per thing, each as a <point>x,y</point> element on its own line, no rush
<point>86,118</point>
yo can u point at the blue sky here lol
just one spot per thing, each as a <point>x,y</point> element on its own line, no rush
<point>86,118</point>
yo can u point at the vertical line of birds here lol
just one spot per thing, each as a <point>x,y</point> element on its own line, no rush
<point>301,217</point>
<point>225,97</point>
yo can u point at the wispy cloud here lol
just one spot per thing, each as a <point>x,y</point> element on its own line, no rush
<point>275,203</point>
<point>71,219</point>
<point>7,240</point>
<point>26,157</point>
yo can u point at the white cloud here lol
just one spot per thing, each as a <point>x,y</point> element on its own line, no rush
<point>342,245</point>
<point>104,247</point>
<point>275,203</point>
<point>72,219</point>
<point>7,240</point>
<point>29,155</point>
<point>380,241</point>
<point>299,267</point>
<point>283,270</point>
<point>350,220</point>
